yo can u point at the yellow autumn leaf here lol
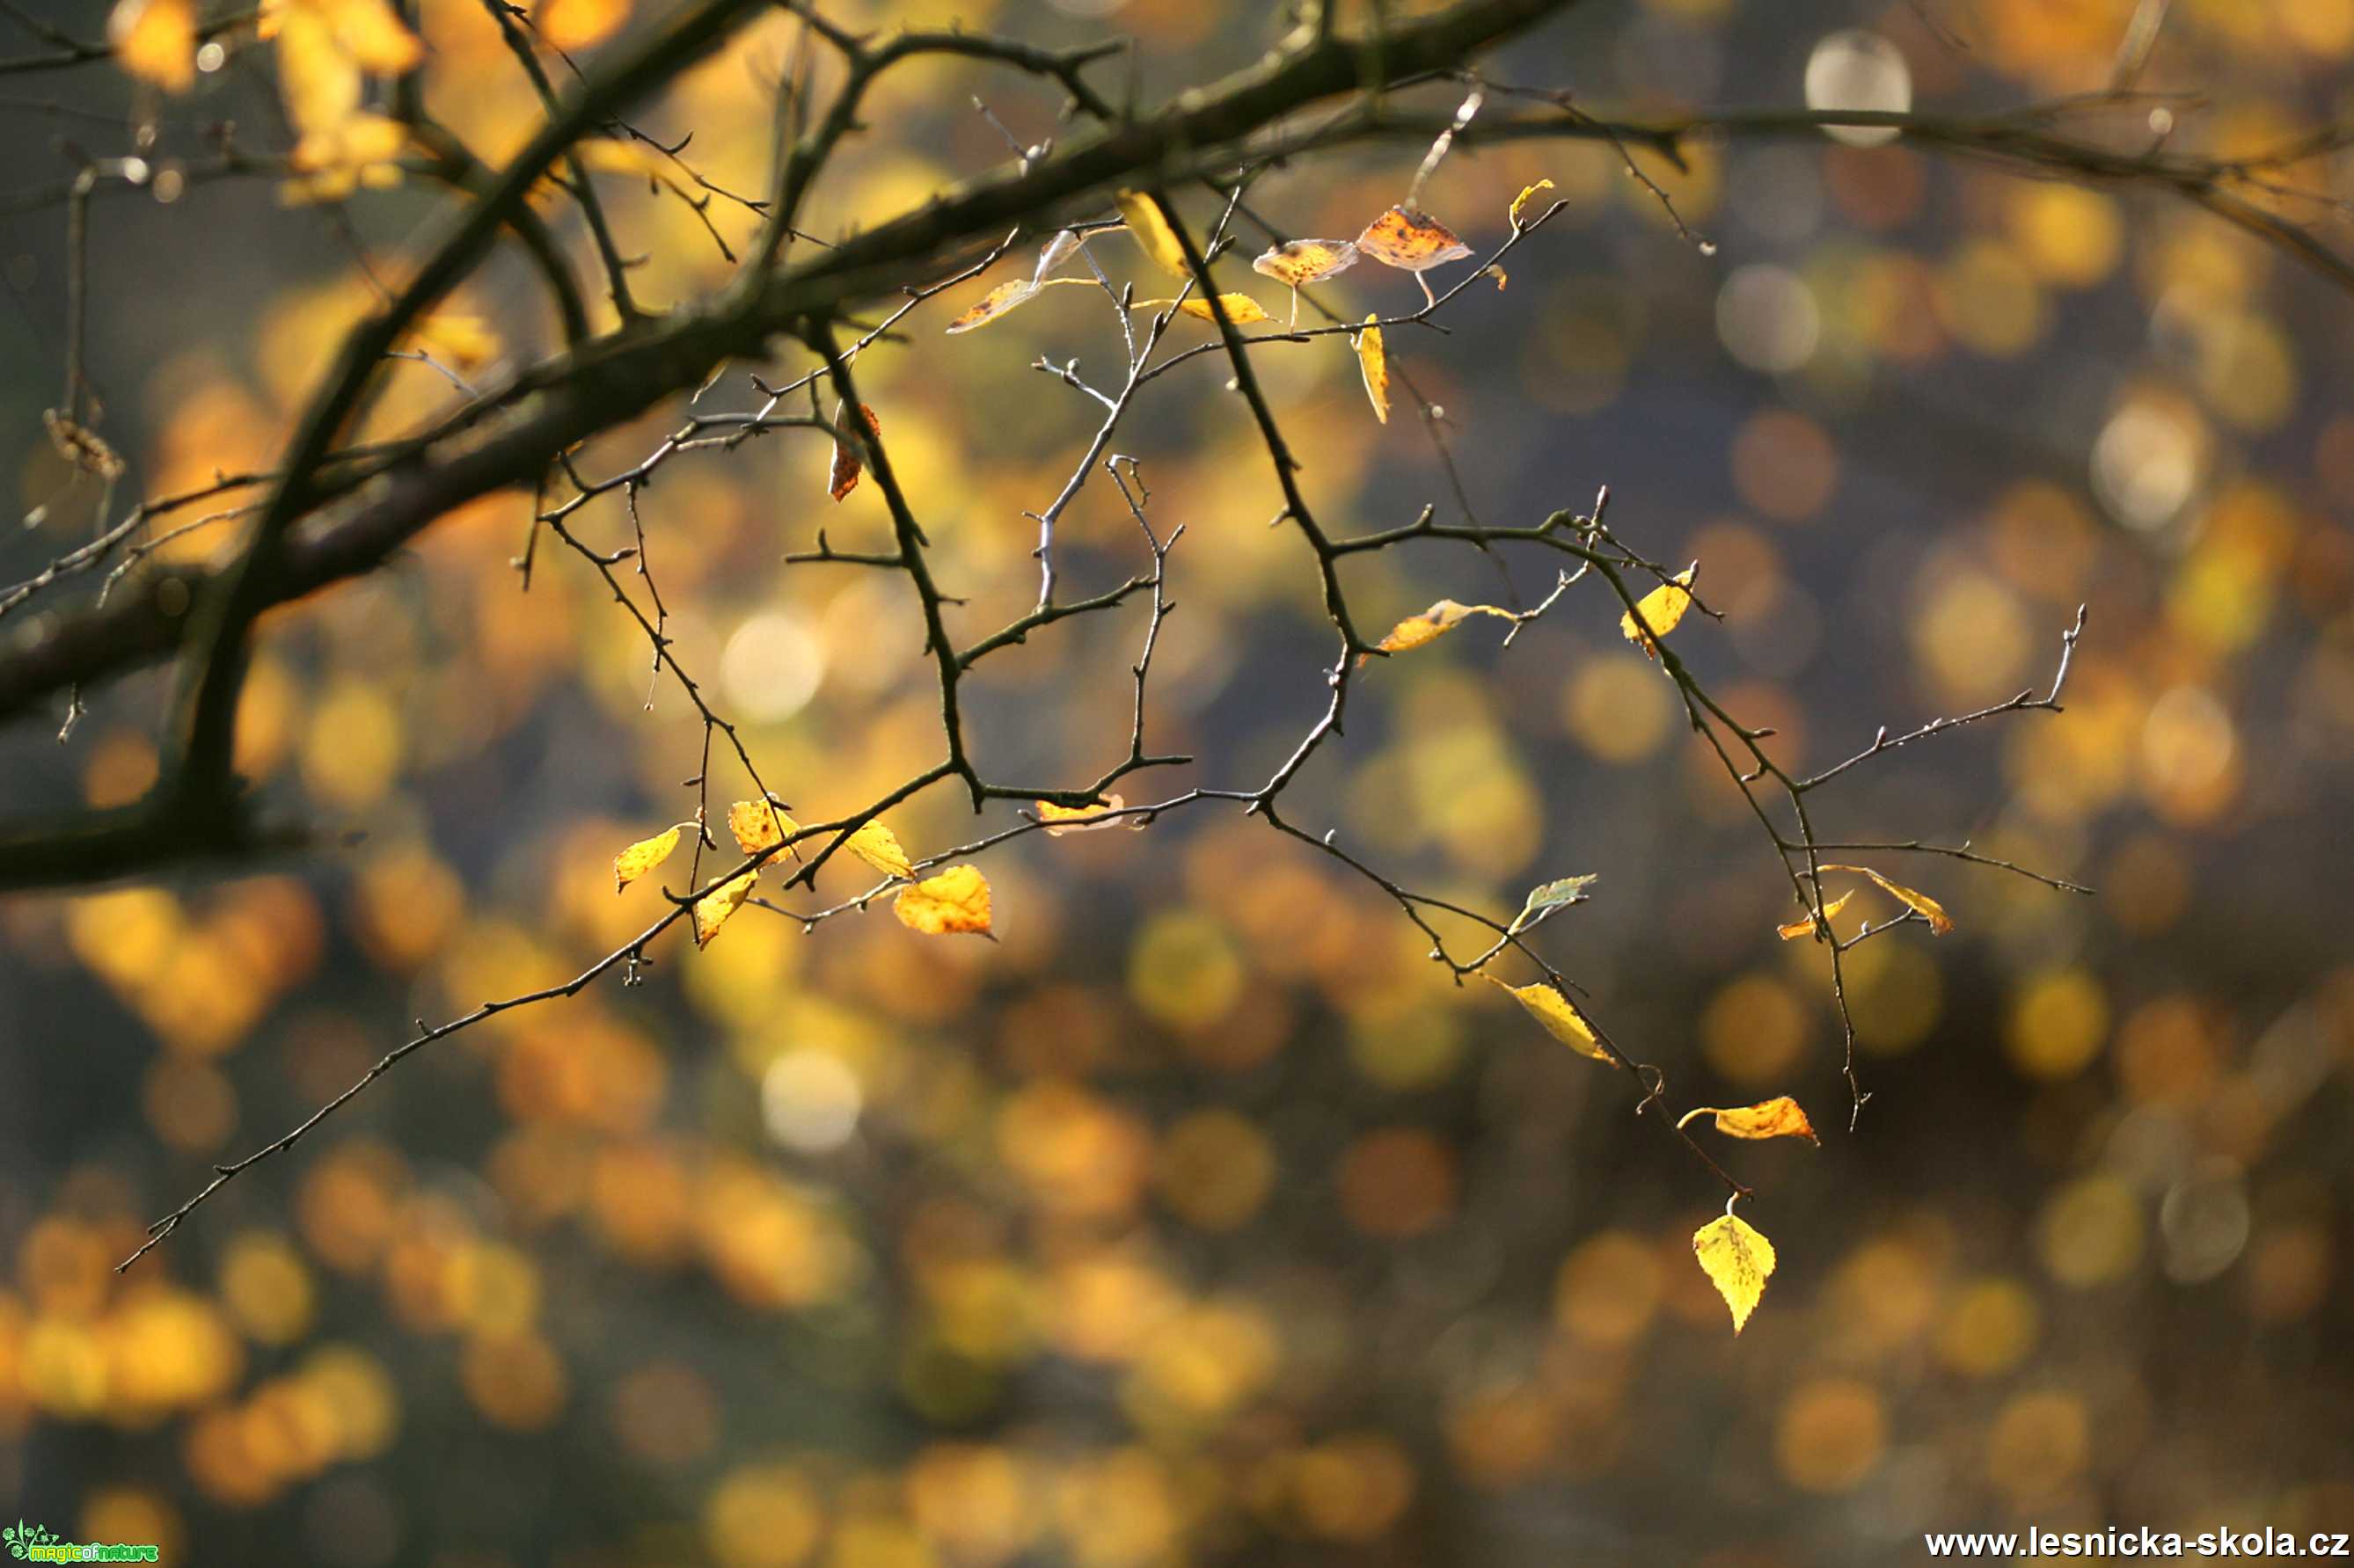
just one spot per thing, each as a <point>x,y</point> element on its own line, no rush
<point>1300,262</point>
<point>1777,1118</point>
<point>1558,1015</point>
<point>612,156</point>
<point>1493,270</point>
<point>1660,609</point>
<point>642,857</point>
<point>758,825</point>
<point>318,80</point>
<point>1737,1259</point>
<point>879,847</point>
<point>331,162</point>
<point>954,902</point>
<point>1432,624</point>
<point>1521,200</point>
<point>370,31</point>
<point>1374,361</point>
<point>1061,819</point>
<point>711,910</point>
<point>155,41</point>
<point>1804,926</point>
<point>1411,240</point>
<point>1153,230</point>
<point>579,24</point>
<point>1241,309</point>
<point>456,338</point>
<point>325,47</point>
<point>1920,904</point>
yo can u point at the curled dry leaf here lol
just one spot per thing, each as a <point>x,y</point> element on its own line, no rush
<point>758,825</point>
<point>579,24</point>
<point>955,902</point>
<point>1300,262</point>
<point>1660,609</point>
<point>155,41</point>
<point>1737,1259</point>
<point>879,847</point>
<point>1061,819</point>
<point>1777,1118</point>
<point>1558,1015</point>
<point>843,478</point>
<point>711,910</point>
<point>1241,309</point>
<point>80,446</point>
<point>1374,361</point>
<point>1411,240</point>
<point>1522,199</point>
<point>1806,926</point>
<point>1431,625</point>
<point>1150,225</point>
<point>1921,904</point>
<point>642,857</point>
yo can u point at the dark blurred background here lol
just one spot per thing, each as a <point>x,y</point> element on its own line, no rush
<point>1201,1218</point>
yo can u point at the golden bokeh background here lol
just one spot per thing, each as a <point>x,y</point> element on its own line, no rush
<point>1201,1218</point>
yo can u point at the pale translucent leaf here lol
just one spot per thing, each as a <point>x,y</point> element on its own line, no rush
<point>1411,240</point>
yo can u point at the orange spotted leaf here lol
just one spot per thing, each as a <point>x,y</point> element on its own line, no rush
<point>1410,240</point>
<point>1304,261</point>
<point>758,825</point>
<point>847,465</point>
